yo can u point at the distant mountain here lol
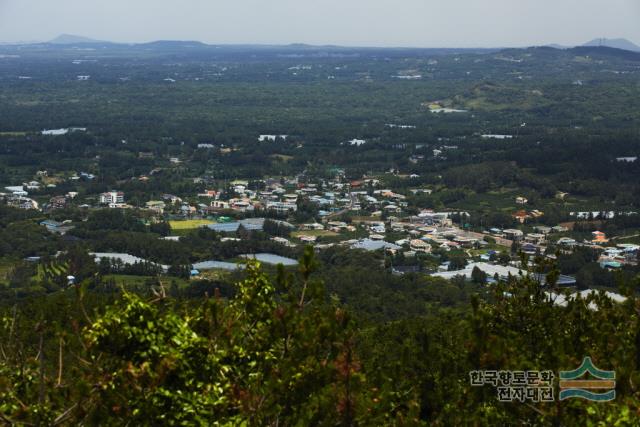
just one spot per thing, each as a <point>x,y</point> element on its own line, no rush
<point>557,46</point>
<point>606,52</point>
<point>71,39</point>
<point>615,43</point>
<point>172,44</point>
<point>548,54</point>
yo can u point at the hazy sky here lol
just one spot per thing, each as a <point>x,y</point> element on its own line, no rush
<point>420,23</point>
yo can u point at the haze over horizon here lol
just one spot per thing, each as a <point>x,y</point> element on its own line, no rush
<point>385,23</point>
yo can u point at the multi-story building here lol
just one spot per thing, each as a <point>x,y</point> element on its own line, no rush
<point>112,197</point>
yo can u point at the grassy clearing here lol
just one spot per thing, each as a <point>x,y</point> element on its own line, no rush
<point>213,274</point>
<point>13,133</point>
<point>504,200</point>
<point>129,281</point>
<point>189,224</point>
<point>491,247</point>
<point>282,157</point>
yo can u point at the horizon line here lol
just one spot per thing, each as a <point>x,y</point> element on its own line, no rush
<point>90,40</point>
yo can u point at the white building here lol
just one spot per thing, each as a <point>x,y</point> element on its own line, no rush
<point>513,234</point>
<point>17,190</point>
<point>271,138</point>
<point>282,207</point>
<point>21,202</point>
<point>357,142</point>
<point>112,197</point>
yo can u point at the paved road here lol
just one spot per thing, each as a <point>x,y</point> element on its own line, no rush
<point>354,200</point>
<point>335,214</point>
<point>625,237</point>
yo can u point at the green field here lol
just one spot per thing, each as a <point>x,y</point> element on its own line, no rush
<point>13,133</point>
<point>189,224</point>
<point>129,281</point>
<point>51,269</point>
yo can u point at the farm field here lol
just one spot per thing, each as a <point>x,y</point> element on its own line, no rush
<point>316,233</point>
<point>130,281</point>
<point>189,224</point>
<point>13,133</point>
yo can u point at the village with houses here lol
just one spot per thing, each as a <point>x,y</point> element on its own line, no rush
<point>359,214</point>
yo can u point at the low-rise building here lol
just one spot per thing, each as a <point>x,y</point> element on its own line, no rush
<point>282,207</point>
<point>220,204</point>
<point>513,234</point>
<point>22,202</point>
<point>566,241</point>
<point>57,202</point>
<point>535,238</point>
<point>599,238</point>
<point>521,216</point>
<point>307,239</point>
<point>312,226</point>
<point>418,245</point>
<point>156,206</point>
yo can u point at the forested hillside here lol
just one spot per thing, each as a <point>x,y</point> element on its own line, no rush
<point>281,352</point>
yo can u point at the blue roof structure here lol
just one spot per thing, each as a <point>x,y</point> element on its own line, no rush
<point>231,227</point>
<point>228,227</point>
<point>610,264</point>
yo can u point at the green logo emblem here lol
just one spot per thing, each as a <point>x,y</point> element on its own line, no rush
<point>572,386</point>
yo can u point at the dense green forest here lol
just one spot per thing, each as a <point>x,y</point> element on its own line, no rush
<point>285,349</point>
